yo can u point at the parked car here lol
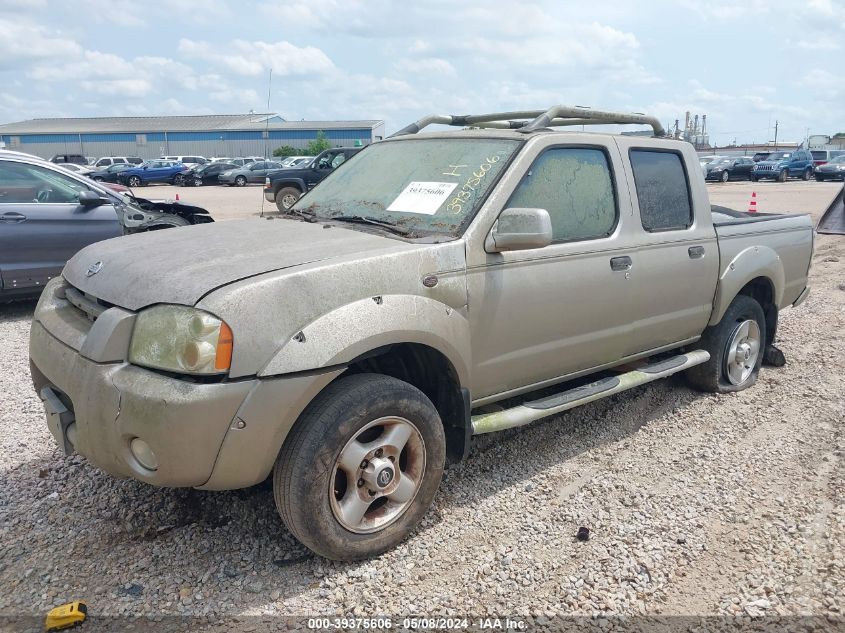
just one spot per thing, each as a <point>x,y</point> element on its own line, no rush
<point>238,162</point>
<point>293,161</point>
<point>206,174</point>
<point>782,165</point>
<point>47,214</point>
<point>726,169</point>
<point>252,172</point>
<point>186,160</point>
<point>82,170</point>
<point>432,275</point>
<point>152,171</point>
<point>834,169</point>
<point>285,187</point>
<point>109,174</point>
<point>79,159</point>
<point>105,161</point>
<point>822,156</point>
<point>705,162</point>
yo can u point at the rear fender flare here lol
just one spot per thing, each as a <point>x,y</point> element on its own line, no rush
<point>749,264</point>
<point>353,330</point>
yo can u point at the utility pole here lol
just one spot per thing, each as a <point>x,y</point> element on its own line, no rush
<point>776,134</point>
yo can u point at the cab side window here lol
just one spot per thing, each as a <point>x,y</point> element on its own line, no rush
<point>662,190</point>
<point>575,186</point>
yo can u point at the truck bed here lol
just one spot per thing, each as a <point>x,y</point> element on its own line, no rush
<point>780,243</point>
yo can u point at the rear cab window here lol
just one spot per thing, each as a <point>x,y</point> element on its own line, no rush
<point>662,188</point>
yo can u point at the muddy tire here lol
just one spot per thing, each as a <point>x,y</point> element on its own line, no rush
<point>286,197</point>
<point>361,467</point>
<point>736,345</point>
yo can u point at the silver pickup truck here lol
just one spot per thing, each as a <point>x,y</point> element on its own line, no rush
<point>440,285</point>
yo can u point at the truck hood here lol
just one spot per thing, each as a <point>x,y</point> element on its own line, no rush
<point>181,265</point>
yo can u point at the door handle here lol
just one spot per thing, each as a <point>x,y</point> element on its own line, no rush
<point>10,217</point>
<point>696,252</point>
<point>621,263</point>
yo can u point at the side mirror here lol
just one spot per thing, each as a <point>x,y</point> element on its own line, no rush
<point>519,229</point>
<point>90,199</point>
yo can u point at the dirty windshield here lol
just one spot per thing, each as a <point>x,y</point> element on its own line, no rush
<point>422,186</point>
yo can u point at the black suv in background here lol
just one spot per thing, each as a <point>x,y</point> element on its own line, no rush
<point>285,186</point>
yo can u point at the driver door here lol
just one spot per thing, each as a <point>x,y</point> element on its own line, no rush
<point>42,224</point>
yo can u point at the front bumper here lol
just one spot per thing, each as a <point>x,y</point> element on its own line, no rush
<point>774,174</point>
<point>269,195</point>
<point>211,435</point>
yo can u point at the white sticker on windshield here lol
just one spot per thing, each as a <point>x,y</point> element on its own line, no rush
<point>422,197</point>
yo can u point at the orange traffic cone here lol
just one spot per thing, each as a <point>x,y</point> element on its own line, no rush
<point>752,204</point>
<point>177,197</point>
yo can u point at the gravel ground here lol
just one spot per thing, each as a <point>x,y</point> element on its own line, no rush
<point>697,504</point>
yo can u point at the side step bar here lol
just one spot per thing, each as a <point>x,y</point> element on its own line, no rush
<point>527,412</point>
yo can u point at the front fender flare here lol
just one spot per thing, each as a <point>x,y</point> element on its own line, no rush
<point>749,264</point>
<point>356,328</point>
<point>299,183</point>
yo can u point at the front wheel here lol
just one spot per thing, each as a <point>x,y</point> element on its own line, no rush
<point>361,466</point>
<point>178,180</point>
<point>783,175</point>
<point>736,346</point>
<point>286,198</point>
<point>753,178</point>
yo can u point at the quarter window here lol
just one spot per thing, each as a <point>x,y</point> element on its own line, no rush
<point>662,190</point>
<point>575,186</point>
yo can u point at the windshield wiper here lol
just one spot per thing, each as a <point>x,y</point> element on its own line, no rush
<point>360,219</point>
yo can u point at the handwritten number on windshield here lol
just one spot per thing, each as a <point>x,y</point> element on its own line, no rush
<point>456,204</point>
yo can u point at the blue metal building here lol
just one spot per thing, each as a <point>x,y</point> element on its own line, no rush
<point>205,135</point>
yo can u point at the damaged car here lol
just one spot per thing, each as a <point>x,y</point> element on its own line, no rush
<point>48,214</point>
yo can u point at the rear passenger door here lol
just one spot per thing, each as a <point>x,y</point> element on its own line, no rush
<point>676,264</point>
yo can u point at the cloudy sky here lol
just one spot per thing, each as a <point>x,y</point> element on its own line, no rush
<point>746,65</point>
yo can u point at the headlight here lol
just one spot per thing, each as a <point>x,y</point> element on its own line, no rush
<point>181,339</point>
